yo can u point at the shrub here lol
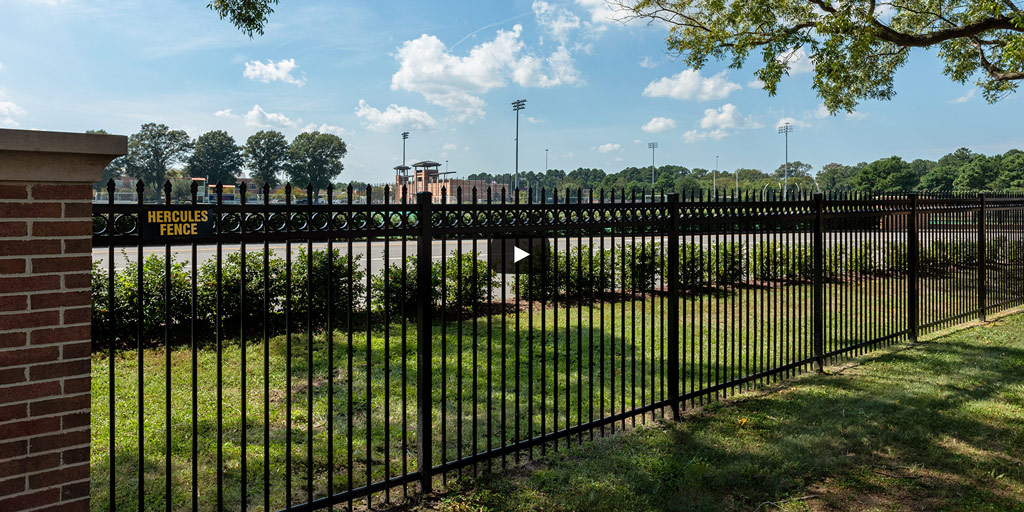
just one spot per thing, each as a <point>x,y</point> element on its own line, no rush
<point>895,259</point>
<point>580,270</point>
<point>724,263</point>
<point>343,283</point>
<point>231,311</point>
<point>642,264</point>
<point>768,261</point>
<point>995,249</point>
<point>935,258</point>
<point>394,292</point>
<point>693,266</point>
<point>540,283</point>
<point>468,280</point>
<point>1014,252</point>
<point>127,299</point>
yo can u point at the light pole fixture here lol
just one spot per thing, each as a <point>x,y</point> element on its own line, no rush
<point>517,105</point>
<point>405,137</point>
<point>714,178</point>
<point>786,129</point>
<point>545,161</point>
<point>652,146</point>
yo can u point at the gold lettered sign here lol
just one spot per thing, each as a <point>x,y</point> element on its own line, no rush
<point>159,224</point>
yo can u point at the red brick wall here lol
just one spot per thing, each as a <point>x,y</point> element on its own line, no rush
<point>45,259</point>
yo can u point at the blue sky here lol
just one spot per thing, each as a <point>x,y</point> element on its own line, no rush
<point>598,91</point>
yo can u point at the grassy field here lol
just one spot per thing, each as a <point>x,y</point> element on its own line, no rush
<point>495,390</point>
<point>932,426</point>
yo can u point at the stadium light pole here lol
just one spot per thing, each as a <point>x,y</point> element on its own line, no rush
<point>786,129</point>
<point>652,146</point>
<point>714,178</point>
<point>405,137</point>
<point>517,105</point>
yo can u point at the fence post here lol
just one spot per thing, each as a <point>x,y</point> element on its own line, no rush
<point>673,302</point>
<point>913,265</point>
<point>819,280</point>
<point>982,238</point>
<point>46,229</point>
<point>424,348</point>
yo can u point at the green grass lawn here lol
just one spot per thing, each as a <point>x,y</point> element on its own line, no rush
<point>725,336</point>
<point>937,425</point>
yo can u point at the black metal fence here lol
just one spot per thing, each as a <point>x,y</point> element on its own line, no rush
<point>280,356</point>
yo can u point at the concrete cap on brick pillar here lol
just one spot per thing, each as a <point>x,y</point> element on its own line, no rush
<point>38,156</point>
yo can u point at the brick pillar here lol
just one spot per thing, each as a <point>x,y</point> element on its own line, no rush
<point>45,310</point>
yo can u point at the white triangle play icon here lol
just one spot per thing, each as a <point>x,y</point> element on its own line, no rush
<point>518,254</point>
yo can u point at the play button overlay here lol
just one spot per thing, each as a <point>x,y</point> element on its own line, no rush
<point>517,255</point>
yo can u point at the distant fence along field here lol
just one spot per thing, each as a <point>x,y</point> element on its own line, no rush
<point>327,374</point>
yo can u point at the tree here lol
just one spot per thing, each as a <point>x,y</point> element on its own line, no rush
<point>855,46</point>
<point>266,153</point>
<point>836,177</point>
<point>216,157</point>
<point>314,158</point>
<point>249,16</point>
<point>941,177</point>
<point>978,175</point>
<point>886,175</point>
<point>797,169</point>
<point>1012,175</point>
<point>153,150</point>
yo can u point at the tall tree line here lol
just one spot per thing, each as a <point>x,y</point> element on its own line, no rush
<point>157,153</point>
<point>961,170</point>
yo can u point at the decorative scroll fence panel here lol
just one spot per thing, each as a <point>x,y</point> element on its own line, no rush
<point>350,353</point>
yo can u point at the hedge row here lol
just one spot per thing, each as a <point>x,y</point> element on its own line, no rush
<point>461,284</point>
<point>273,299</point>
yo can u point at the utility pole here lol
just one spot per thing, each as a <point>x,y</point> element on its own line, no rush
<point>786,129</point>
<point>652,146</point>
<point>517,105</point>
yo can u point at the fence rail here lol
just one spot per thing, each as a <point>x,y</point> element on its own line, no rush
<point>364,349</point>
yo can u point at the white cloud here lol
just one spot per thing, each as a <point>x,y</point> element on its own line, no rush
<point>456,82</point>
<point>271,71</point>
<point>394,117</point>
<point>8,111</point>
<point>325,128</point>
<point>725,117</point>
<point>689,84</point>
<point>755,84</point>
<point>532,119</point>
<point>647,62</point>
<point>1,66</point>
<point>608,148</point>
<point>226,113</point>
<point>720,123</point>
<point>449,147</point>
<point>793,121</point>
<point>692,136</point>
<point>855,116</point>
<point>600,11</point>
<point>658,125</point>
<point>965,98</point>
<point>798,61</point>
<point>636,141</point>
<point>557,21</point>
<point>262,119</point>
<point>821,112</point>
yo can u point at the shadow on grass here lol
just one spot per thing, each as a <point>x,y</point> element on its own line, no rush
<point>938,426</point>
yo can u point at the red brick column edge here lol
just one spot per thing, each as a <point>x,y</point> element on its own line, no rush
<point>45,310</point>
